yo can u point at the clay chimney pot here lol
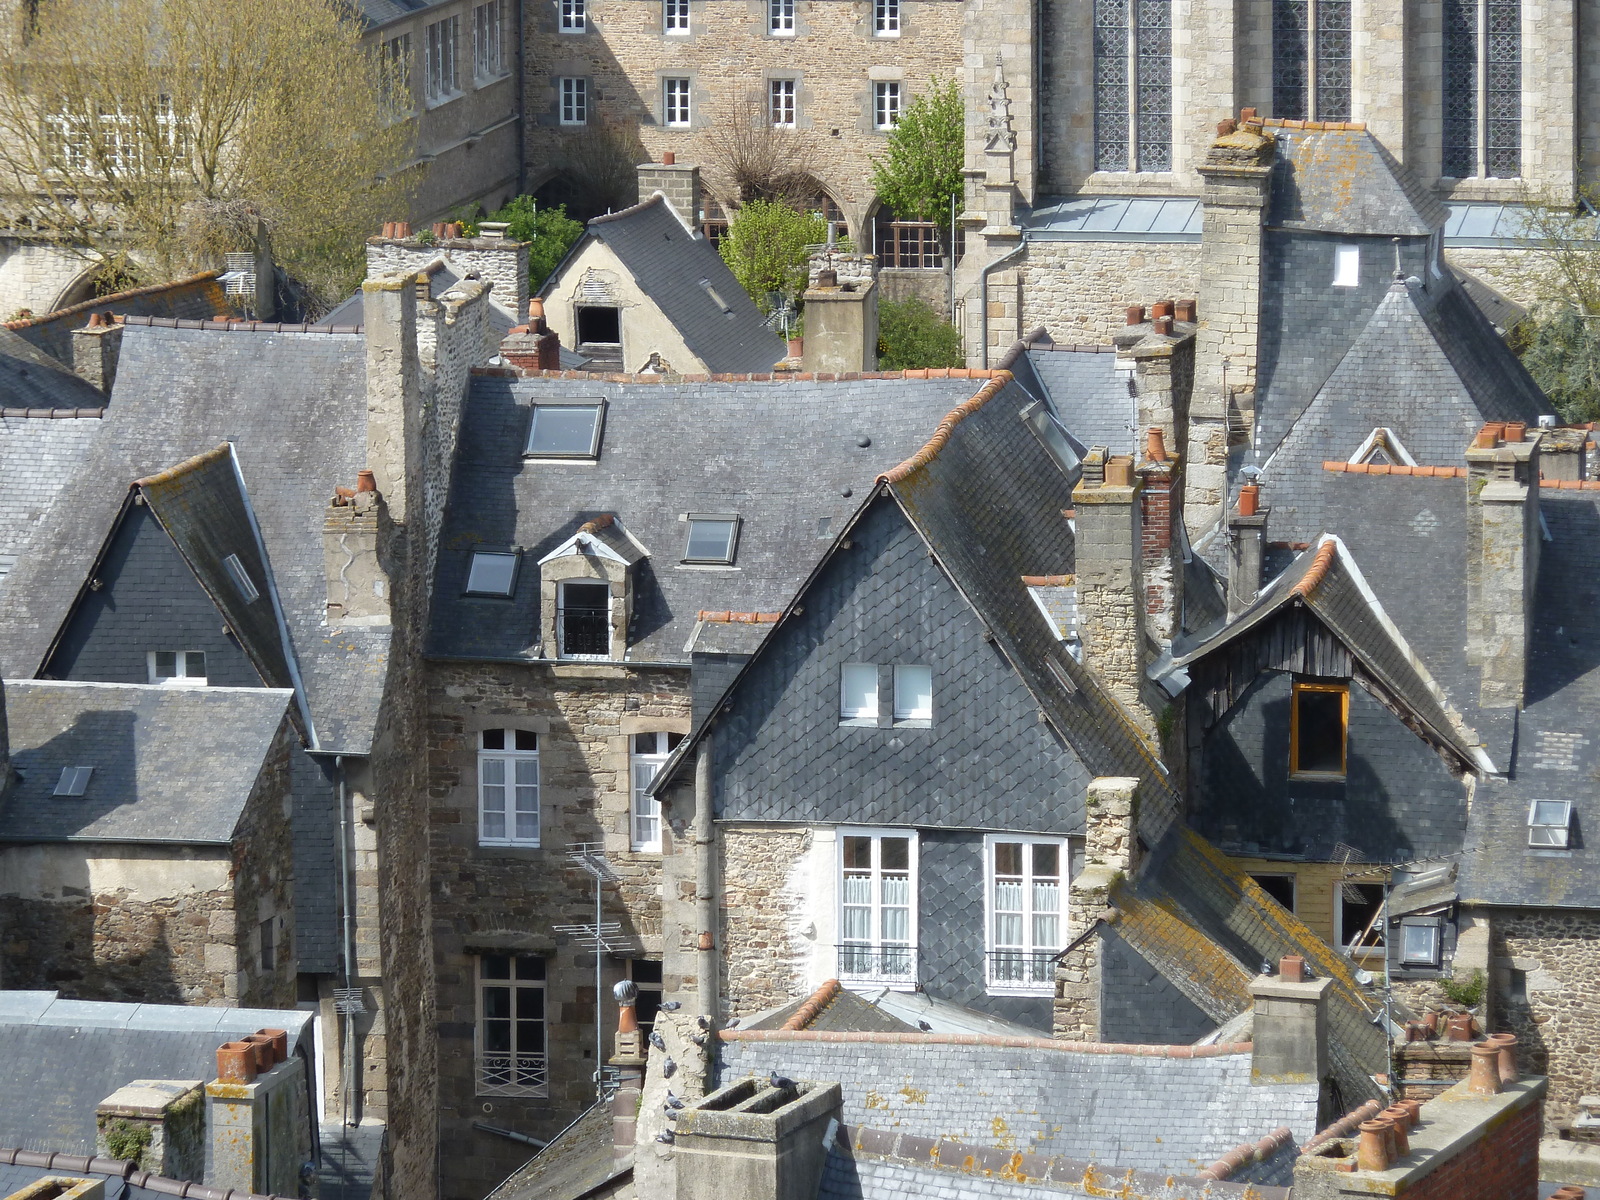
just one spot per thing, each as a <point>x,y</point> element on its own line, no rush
<point>1164,325</point>
<point>366,481</point>
<point>1161,308</point>
<point>1249,505</point>
<point>1507,1042</point>
<point>1135,314</point>
<point>1291,967</point>
<point>669,159</point>
<point>236,1062</point>
<point>1516,431</point>
<point>1484,1077</point>
<point>1185,311</point>
<point>1247,114</point>
<point>1155,447</point>
<point>1372,1151</point>
<point>1119,472</point>
<point>280,1043</point>
<point>1224,128</point>
<point>1400,1120</point>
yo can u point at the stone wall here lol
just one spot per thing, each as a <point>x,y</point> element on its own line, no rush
<point>499,260</point>
<point>38,276</point>
<point>763,905</point>
<point>1079,291</point>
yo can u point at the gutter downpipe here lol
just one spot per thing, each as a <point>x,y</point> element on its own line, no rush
<point>351,1105</point>
<point>983,294</point>
<point>704,881</point>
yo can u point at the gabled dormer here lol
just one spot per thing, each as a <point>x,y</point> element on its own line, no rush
<point>586,590</point>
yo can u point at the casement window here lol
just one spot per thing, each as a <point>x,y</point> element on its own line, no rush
<point>675,113</point>
<point>397,61</point>
<point>440,40</point>
<point>649,754</point>
<point>1027,911</point>
<point>675,16</point>
<point>858,694</point>
<point>1347,266</point>
<point>911,243</point>
<point>492,573</point>
<point>574,15</point>
<point>488,39</point>
<point>885,104</point>
<point>913,694</point>
<point>780,103</point>
<point>566,430</point>
<point>714,227</point>
<point>243,584</point>
<point>780,18</point>
<point>508,787</point>
<point>713,539</point>
<point>1319,722</point>
<point>511,1026</point>
<point>1311,60</point>
<point>1550,824</point>
<point>886,18</point>
<point>1133,85</point>
<point>1358,917</point>
<point>110,140</point>
<point>877,906</point>
<point>1421,942</point>
<point>574,101</point>
<point>583,619</point>
<point>1482,89</point>
<point>177,668</point>
<point>647,977</point>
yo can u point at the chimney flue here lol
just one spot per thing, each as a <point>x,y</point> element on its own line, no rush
<point>1483,1079</point>
<point>1135,314</point>
<point>1155,448</point>
<point>1185,311</point>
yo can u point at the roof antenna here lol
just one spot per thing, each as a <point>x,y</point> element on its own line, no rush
<point>1399,274</point>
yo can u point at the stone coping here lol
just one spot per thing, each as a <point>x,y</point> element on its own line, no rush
<point>1221,1050</point>
<point>116,1168</point>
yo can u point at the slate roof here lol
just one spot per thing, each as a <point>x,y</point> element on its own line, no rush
<point>1092,399</point>
<point>579,1158</point>
<point>679,270</point>
<point>65,1056</point>
<point>294,406</point>
<point>669,449</point>
<point>381,12</point>
<point>195,298</point>
<point>1346,181</point>
<point>30,378</point>
<point>38,455</point>
<point>170,764</point>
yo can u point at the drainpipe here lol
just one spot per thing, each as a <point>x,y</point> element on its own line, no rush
<point>351,1105</point>
<point>983,296</point>
<point>704,881</point>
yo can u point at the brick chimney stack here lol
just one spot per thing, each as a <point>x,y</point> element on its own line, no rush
<point>534,346</point>
<point>1502,558</point>
<point>1160,557</point>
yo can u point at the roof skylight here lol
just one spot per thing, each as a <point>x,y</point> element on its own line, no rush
<point>1550,823</point>
<point>566,430</point>
<point>493,573</point>
<point>241,579</point>
<point>1056,440</point>
<point>712,538</point>
<point>74,781</point>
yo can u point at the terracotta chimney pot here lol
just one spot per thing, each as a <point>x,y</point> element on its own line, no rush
<point>669,159</point>
<point>1224,128</point>
<point>1484,1077</point>
<point>1185,311</point>
<point>265,1059</point>
<point>1161,308</point>
<point>1164,325</point>
<point>366,481</point>
<point>1247,114</point>
<point>1372,1151</point>
<point>1155,448</point>
<point>1119,472</point>
<point>236,1062</point>
<point>280,1043</point>
<point>1249,505</point>
<point>1291,967</point>
<point>1507,1042</point>
<point>1135,314</point>
<point>1401,1120</point>
<point>1516,431</point>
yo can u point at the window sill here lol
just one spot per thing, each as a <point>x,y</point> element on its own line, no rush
<point>1047,991</point>
<point>508,845</point>
<point>858,723</point>
<point>655,851</point>
<point>434,102</point>
<point>576,460</point>
<point>1318,776</point>
<point>913,723</point>
<point>573,124</point>
<point>689,566</point>
<point>483,81</point>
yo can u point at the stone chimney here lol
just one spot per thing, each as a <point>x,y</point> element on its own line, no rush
<point>95,350</point>
<point>1111,850</point>
<point>1236,171</point>
<point>629,1059</point>
<point>257,1117</point>
<point>1247,532</point>
<point>394,388</point>
<point>358,584</point>
<point>679,183</point>
<point>1159,349</point>
<point>1289,1030</point>
<point>1110,575</point>
<point>756,1142</point>
<point>491,257</point>
<point>841,326</point>
<point>534,346</point>
<point>1502,558</point>
<point>159,1125</point>
<point>1160,554</point>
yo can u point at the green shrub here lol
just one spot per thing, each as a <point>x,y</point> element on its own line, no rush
<point>766,249</point>
<point>1560,346</point>
<point>911,335</point>
<point>548,230</point>
<point>1468,993</point>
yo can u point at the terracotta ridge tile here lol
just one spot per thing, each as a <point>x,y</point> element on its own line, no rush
<point>1344,1125</point>
<point>1312,579</point>
<point>726,617</point>
<point>1049,580</point>
<point>1394,469</point>
<point>815,1003</point>
<point>1247,1153</point>
<point>997,380</point>
<point>101,301</point>
<point>596,524</point>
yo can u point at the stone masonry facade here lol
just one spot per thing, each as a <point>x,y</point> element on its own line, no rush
<point>762,908</point>
<point>1080,291</point>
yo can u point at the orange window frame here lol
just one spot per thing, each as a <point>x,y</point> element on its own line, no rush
<point>1343,690</point>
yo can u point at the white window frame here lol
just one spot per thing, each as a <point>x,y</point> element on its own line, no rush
<point>574,99</point>
<point>780,18</point>
<point>561,622</point>
<point>1433,925</point>
<point>888,102</point>
<point>1347,266</point>
<point>675,18</point>
<point>442,44</point>
<point>644,810</point>
<point>574,16</point>
<point>493,1071</point>
<point>722,560</point>
<point>896,979</point>
<point>886,18</point>
<point>859,716</point>
<point>397,54</point>
<point>248,592</point>
<point>181,665</point>
<point>509,760</point>
<point>488,40</point>
<point>1556,836</point>
<point>677,106</point>
<point>1002,982</point>
<point>596,430</point>
<point>903,713</point>
<point>781,102</point>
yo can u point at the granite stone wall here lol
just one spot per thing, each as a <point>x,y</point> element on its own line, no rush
<point>1080,291</point>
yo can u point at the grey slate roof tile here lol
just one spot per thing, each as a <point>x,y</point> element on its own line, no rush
<point>30,378</point>
<point>38,455</point>
<point>1092,399</point>
<point>1346,181</point>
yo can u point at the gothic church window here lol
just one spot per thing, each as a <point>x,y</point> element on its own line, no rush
<point>1133,85</point>
<point>1482,89</point>
<point>1311,60</point>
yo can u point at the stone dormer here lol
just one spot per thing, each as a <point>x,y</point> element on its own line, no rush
<point>586,588</point>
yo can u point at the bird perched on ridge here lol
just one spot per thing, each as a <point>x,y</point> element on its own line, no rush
<point>670,1005</point>
<point>656,1040</point>
<point>780,1081</point>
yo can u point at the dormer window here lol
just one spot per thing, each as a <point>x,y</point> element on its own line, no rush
<point>584,619</point>
<point>566,430</point>
<point>178,668</point>
<point>586,591</point>
<point>1318,723</point>
<point>74,781</point>
<point>1550,824</point>
<point>493,573</point>
<point>241,579</point>
<point>712,539</point>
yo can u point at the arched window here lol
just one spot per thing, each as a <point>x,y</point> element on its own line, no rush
<point>1133,85</point>
<point>910,243</point>
<point>508,787</point>
<point>1311,60</point>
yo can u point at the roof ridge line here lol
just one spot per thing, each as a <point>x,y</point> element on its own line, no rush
<point>193,463</point>
<point>1310,126</point>
<point>1394,469</point>
<point>926,373</point>
<point>228,326</point>
<point>722,616</point>
<point>813,1006</point>
<point>1128,1049</point>
<point>53,414</point>
<point>1317,571</point>
<point>946,427</point>
<point>655,198</point>
<point>121,1168</point>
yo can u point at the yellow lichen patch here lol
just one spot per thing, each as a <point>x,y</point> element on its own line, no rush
<point>914,1095</point>
<point>1001,1129</point>
<point>874,1100</point>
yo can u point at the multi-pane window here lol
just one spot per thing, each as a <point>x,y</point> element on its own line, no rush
<point>511,1045</point>
<point>488,38</point>
<point>886,18</point>
<point>1026,911</point>
<point>178,668</point>
<point>675,103</point>
<point>1550,823</point>
<point>508,787</point>
<point>583,619</point>
<point>574,101</point>
<point>780,18</point>
<point>911,243</point>
<point>650,751</point>
<point>440,40</point>
<point>1319,716</point>
<point>1311,60</point>
<point>1133,85</point>
<point>574,15</point>
<point>675,16</point>
<point>780,103</point>
<point>1482,89</point>
<point>885,104</point>
<point>877,906</point>
<point>397,62</point>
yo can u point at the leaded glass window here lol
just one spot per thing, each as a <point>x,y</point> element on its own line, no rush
<point>1290,58</point>
<point>1133,85</point>
<point>1333,60</point>
<point>1502,89</point>
<point>1311,74</point>
<point>1460,88</point>
<point>1482,89</point>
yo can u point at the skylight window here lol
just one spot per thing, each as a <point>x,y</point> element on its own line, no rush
<point>74,781</point>
<point>492,573</point>
<point>566,430</point>
<point>1347,266</point>
<point>712,539</point>
<point>1550,823</point>
<point>716,297</point>
<point>241,579</point>
<point>1056,441</point>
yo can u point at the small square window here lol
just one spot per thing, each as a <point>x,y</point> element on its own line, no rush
<point>913,693</point>
<point>858,692</point>
<point>1347,266</point>
<point>241,579</point>
<point>178,667</point>
<point>1550,824</point>
<point>74,781</point>
<point>492,573</point>
<point>1420,943</point>
<point>565,430</point>
<point>712,539</point>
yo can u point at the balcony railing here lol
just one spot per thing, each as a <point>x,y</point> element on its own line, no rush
<point>877,964</point>
<point>1034,970</point>
<point>512,1074</point>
